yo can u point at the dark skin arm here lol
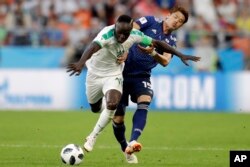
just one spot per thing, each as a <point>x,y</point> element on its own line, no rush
<point>163,60</point>
<point>167,48</point>
<point>76,68</point>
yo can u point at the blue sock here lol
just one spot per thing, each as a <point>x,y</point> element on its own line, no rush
<point>139,120</point>
<point>119,132</point>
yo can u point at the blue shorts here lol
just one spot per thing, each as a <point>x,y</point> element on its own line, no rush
<point>134,87</point>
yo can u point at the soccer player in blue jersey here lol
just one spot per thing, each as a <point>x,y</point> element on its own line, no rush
<point>137,74</point>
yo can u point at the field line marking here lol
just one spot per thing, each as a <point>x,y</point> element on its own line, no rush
<point>117,147</point>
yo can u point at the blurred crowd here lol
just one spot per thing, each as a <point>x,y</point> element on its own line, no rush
<point>213,24</point>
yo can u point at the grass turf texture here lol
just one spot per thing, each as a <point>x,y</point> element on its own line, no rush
<point>30,139</point>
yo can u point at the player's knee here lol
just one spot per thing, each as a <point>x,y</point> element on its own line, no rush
<point>112,105</point>
<point>143,105</point>
<point>147,97</point>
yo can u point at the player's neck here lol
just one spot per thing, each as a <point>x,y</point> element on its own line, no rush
<point>166,29</point>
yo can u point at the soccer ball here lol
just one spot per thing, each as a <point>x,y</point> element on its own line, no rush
<point>72,154</point>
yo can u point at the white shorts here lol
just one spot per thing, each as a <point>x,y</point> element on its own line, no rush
<point>96,86</point>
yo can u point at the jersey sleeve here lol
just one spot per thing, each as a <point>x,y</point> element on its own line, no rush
<point>140,37</point>
<point>145,22</point>
<point>103,37</point>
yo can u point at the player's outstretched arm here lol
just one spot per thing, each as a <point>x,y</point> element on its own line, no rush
<point>76,68</point>
<point>167,48</point>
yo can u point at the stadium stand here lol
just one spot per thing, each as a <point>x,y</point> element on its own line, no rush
<point>71,24</point>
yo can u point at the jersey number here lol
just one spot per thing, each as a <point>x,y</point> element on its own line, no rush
<point>146,84</point>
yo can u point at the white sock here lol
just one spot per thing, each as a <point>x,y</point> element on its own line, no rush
<point>104,119</point>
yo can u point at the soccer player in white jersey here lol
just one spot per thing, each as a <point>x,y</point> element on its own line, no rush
<point>105,64</point>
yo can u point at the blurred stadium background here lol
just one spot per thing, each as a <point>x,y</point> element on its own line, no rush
<point>39,37</point>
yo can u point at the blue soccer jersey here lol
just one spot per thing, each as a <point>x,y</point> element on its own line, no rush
<point>139,63</point>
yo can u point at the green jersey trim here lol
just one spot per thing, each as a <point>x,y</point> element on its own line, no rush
<point>146,40</point>
<point>109,34</point>
<point>136,32</point>
<point>99,43</point>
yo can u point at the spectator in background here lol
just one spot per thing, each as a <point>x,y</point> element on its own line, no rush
<point>120,10</point>
<point>38,18</point>
<point>166,4</point>
<point>83,14</point>
<point>243,21</point>
<point>105,11</point>
<point>204,48</point>
<point>206,10</point>
<point>78,39</point>
<point>227,20</point>
<point>97,10</point>
<point>18,24</point>
<point>52,35</point>
<point>242,41</point>
<point>3,30</point>
<point>109,8</point>
<point>147,7</point>
<point>227,10</point>
<point>198,29</point>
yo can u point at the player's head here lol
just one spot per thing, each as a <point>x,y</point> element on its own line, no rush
<point>177,17</point>
<point>123,27</point>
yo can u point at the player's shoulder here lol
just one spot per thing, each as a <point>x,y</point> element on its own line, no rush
<point>108,32</point>
<point>135,31</point>
<point>149,19</point>
<point>108,29</point>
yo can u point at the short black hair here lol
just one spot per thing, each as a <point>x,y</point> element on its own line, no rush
<point>125,19</point>
<point>182,10</point>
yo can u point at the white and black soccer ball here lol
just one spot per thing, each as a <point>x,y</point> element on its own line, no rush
<point>72,154</point>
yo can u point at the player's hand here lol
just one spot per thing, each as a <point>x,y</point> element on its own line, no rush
<point>185,58</point>
<point>122,58</point>
<point>149,49</point>
<point>74,69</point>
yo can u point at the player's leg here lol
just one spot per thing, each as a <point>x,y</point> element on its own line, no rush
<point>118,123</point>
<point>119,126</point>
<point>94,92</point>
<point>91,138</point>
<point>142,96</point>
<point>112,98</point>
<point>112,90</point>
<point>118,120</point>
<point>140,116</point>
<point>139,122</point>
<point>95,97</point>
<point>119,132</point>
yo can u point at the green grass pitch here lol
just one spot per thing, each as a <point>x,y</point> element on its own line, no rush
<point>171,139</point>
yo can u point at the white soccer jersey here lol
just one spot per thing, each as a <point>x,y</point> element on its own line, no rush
<point>104,61</point>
